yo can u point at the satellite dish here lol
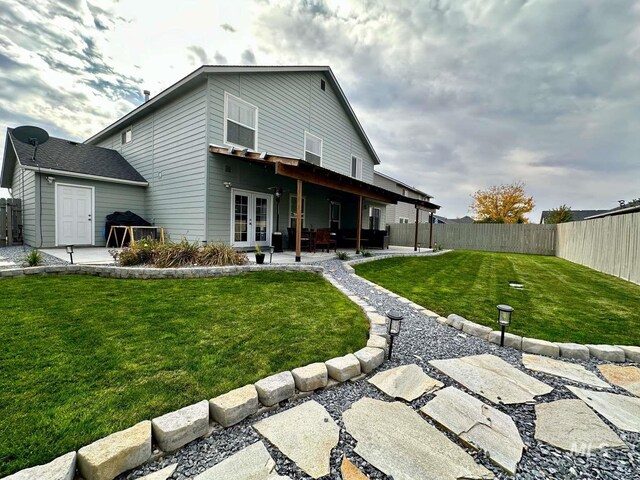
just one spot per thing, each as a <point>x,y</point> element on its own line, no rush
<point>29,134</point>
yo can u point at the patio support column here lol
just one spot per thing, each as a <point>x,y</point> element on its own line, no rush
<point>298,220</point>
<point>359,224</point>
<point>415,239</point>
<point>431,230</point>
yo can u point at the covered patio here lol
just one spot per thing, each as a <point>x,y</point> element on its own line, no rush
<point>308,176</point>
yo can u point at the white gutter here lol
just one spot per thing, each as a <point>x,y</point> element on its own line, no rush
<point>84,175</point>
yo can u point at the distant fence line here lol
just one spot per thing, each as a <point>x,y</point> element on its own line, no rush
<point>488,237</point>
<point>610,245</point>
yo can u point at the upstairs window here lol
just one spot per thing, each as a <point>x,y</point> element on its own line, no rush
<point>127,136</point>
<point>240,122</point>
<point>356,167</point>
<point>312,148</point>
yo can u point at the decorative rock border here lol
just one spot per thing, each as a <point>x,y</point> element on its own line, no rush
<point>610,353</point>
<point>110,456</point>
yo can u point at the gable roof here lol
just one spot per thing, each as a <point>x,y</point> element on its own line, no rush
<point>628,207</point>
<point>199,75</point>
<point>402,184</point>
<point>577,215</point>
<point>66,157</point>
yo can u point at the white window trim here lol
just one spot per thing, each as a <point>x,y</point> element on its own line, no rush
<point>339,213</point>
<point>55,209</point>
<point>128,129</point>
<point>293,212</point>
<point>371,216</point>
<point>359,165</point>
<point>227,95</point>
<point>307,134</point>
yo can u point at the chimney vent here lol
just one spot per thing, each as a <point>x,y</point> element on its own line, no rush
<point>146,95</point>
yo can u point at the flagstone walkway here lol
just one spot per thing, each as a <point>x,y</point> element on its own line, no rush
<point>447,406</point>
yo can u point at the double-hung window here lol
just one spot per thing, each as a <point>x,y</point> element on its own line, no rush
<point>374,218</point>
<point>312,148</point>
<point>356,167</point>
<point>126,136</point>
<point>240,122</point>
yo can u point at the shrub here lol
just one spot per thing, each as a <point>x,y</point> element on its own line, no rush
<point>176,254</point>
<point>34,258</point>
<point>366,253</point>
<point>219,254</point>
<point>140,253</point>
<point>342,255</point>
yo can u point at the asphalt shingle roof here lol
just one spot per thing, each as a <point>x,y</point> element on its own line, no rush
<point>577,215</point>
<point>73,157</point>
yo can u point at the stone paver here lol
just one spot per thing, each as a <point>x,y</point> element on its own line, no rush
<point>349,471</point>
<point>250,463</point>
<point>510,340</point>
<point>306,434</point>
<point>493,378</point>
<point>275,388</point>
<point>571,425</point>
<point>62,468</point>
<point>370,358</point>
<point>342,369</point>
<point>558,368</point>
<point>608,353</point>
<point>476,330</point>
<point>397,441</point>
<point>234,406</point>
<point>625,377</point>
<point>175,429</point>
<point>376,341</point>
<point>479,425</point>
<point>163,474</point>
<point>311,377</point>
<point>540,347</point>
<point>574,350</point>
<point>621,410</point>
<point>108,457</point>
<point>407,382</point>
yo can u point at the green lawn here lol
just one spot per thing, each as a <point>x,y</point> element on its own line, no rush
<point>83,357</point>
<point>561,301</point>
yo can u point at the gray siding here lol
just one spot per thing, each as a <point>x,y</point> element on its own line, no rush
<point>29,200</point>
<point>169,149</point>
<point>401,209</point>
<point>288,105</point>
<point>109,197</point>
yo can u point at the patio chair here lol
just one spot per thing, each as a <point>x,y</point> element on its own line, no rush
<point>324,237</point>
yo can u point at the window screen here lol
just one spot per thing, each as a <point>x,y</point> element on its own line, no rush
<point>312,149</point>
<point>241,123</point>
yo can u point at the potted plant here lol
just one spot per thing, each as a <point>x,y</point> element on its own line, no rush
<point>259,255</point>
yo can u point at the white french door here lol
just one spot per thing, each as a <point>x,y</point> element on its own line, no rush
<point>74,215</point>
<point>251,217</point>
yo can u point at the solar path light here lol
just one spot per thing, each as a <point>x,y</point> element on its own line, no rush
<point>70,252</point>
<point>504,319</point>
<point>395,321</point>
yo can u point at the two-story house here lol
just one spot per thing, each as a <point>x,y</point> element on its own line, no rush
<point>402,212</point>
<point>227,154</point>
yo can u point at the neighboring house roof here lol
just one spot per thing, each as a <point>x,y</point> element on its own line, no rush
<point>65,157</point>
<point>195,77</point>
<point>465,219</point>
<point>402,184</point>
<point>577,215</point>
<point>631,207</point>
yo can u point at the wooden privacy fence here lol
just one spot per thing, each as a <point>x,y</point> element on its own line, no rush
<point>610,245</point>
<point>521,238</point>
<point>10,221</point>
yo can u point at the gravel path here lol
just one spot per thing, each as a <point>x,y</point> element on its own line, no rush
<point>420,340</point>
<point>15,257</point>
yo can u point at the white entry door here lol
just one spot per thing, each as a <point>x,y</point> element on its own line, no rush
<point>74,215</point>
<point>250,218</point>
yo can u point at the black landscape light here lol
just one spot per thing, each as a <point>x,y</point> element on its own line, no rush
<point>395,321</point>
<point>418,247</point>
<point>504,319</point>
<point>70,252</point>
<point>271,250</point>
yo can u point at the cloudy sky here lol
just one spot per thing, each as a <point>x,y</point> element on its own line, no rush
<point>455,96</point>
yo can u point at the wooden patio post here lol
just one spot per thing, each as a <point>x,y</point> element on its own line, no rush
<point>298,220</point>
<point>430,229</point>
<point>359,224</point>
<point>415,239</point>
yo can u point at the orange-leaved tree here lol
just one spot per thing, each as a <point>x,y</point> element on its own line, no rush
<point>502,204</point>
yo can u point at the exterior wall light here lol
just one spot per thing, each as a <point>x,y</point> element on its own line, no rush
<point>69,249</point>
<point>504,319</point>
<point>395,321</point>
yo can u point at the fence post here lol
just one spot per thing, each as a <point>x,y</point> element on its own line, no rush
<point>3,223</point>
